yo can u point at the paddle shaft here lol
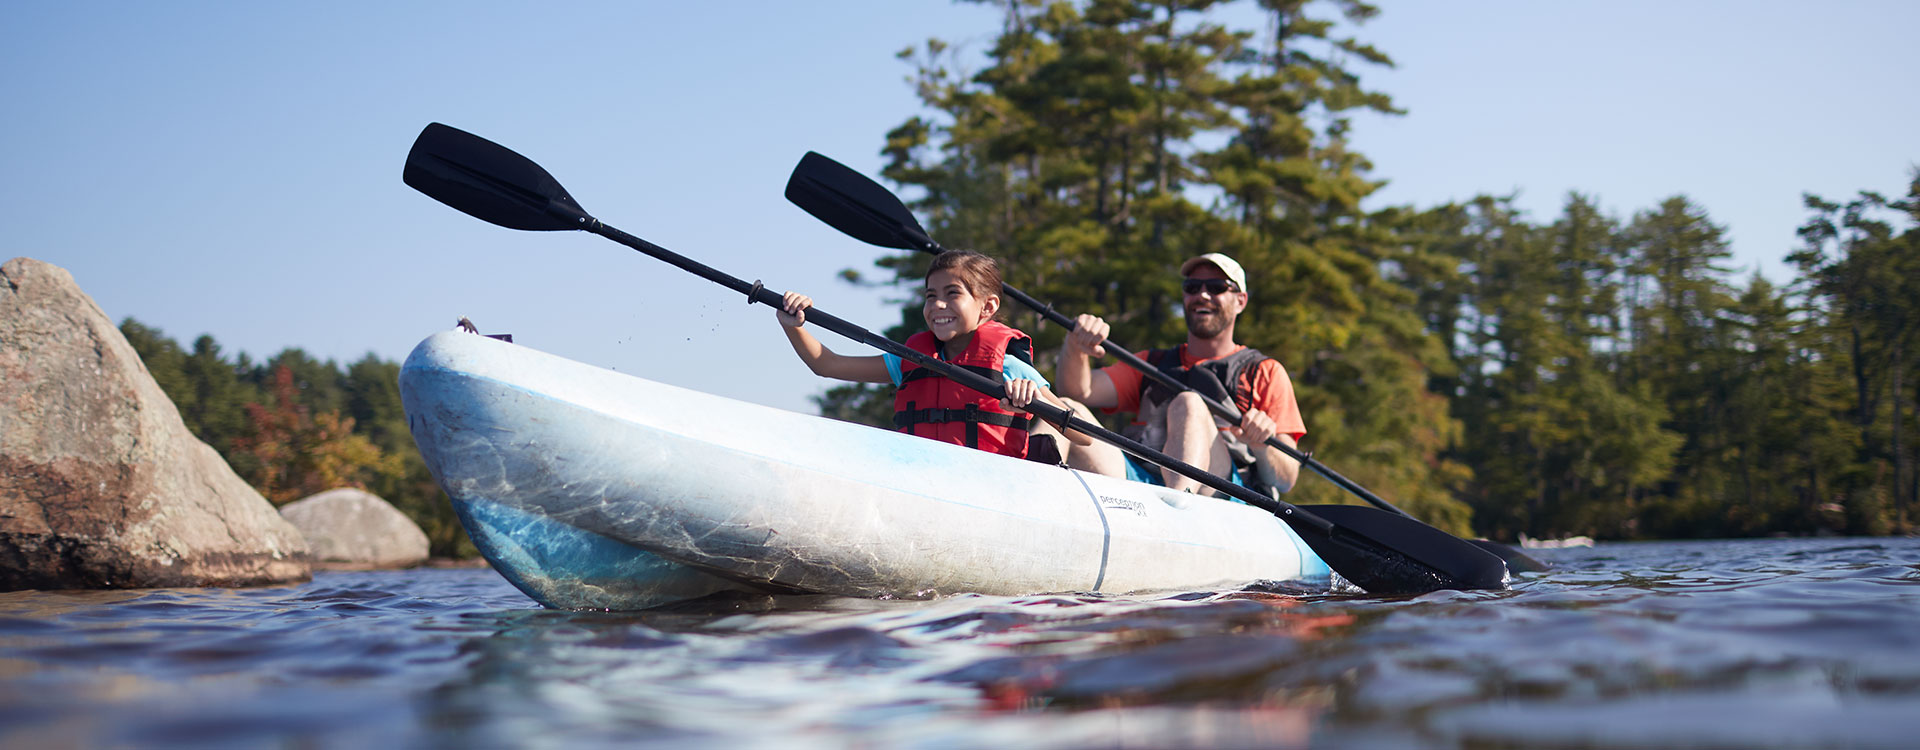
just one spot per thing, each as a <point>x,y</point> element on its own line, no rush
<point>757,293</point>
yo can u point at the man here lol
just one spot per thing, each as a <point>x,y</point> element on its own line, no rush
<point>1214,292</point>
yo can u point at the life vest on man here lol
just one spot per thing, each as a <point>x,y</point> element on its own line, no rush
<point>1223,380</point>
<point>1218,378</point>
<point>931,406</point>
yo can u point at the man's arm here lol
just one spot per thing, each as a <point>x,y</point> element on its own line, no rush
<point>1078,380</point>
<point>1286,471</point>
<point>1276,414</point>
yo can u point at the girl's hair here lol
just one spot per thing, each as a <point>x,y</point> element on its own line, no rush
<point>979,273</point>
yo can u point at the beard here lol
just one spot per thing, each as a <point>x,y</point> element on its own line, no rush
<point>1206,327</point>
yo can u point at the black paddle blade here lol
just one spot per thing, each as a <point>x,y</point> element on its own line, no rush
<point>1390,554</point>
<point>489,182</point>
<point>850,202</point>
<point>1517,561</point>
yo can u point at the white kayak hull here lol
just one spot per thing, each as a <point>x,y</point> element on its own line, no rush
<point>588,488</point>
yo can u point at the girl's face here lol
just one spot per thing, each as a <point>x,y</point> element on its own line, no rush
<point>951,310</point>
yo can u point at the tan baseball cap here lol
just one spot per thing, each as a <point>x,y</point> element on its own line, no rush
<point>1227,265</point>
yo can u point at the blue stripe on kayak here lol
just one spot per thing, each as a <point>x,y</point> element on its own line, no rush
<point>1106,532</point>
<point>566,567</point>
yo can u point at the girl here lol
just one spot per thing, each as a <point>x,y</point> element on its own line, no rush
<point>962,297</point>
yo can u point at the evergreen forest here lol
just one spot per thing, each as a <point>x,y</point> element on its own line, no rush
<point>1494,373</point>
<point>1489,371</point>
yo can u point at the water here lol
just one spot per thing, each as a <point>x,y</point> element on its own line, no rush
<point>1766,643</point>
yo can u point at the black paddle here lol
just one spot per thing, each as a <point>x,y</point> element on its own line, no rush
<point>861,208</point>
<point>1379,552</point>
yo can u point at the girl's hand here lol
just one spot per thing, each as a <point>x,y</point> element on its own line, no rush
<point>793,309</point>
<point>1020,392</point>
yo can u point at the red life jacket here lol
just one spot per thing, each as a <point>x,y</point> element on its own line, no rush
<point>932,406</point>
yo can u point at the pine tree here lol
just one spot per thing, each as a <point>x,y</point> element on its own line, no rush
<point>1861,275</point>
<point>215,409</point>
<point>1675,248</point>
<point>164,361</point>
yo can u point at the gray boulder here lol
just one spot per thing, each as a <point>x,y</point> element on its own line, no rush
<point>101,484</point>
<point>351,528</point>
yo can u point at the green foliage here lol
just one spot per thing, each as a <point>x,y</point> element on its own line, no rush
<point>164,359</point>
<point>1613,382</point>
<point>219,390</point>
<point>859,403</point>
<point>1862,289</point>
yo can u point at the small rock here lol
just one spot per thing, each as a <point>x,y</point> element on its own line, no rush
<point>351,528</point>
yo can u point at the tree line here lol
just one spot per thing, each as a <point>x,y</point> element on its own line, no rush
<point>292,425</point>
<point>1488,371</point>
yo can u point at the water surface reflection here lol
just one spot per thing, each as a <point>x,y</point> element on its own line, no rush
<point>1775,643</point>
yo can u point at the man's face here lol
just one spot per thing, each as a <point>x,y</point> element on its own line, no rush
<point>1209,313</point>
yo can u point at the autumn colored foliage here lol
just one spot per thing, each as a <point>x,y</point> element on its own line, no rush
<point>298,453</point>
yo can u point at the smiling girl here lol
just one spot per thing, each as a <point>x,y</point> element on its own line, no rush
<point>960,302</point>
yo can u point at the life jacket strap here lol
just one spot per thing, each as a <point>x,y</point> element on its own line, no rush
<point>972,415</point>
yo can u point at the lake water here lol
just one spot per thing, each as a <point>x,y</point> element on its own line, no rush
<point>1764,643</point>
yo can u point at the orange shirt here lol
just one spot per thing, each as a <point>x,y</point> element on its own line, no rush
<point>1271,389</point>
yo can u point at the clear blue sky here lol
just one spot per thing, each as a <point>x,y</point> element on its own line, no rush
<point>234,168</point>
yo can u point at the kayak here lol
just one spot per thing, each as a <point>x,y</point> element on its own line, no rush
<point>592,489</point>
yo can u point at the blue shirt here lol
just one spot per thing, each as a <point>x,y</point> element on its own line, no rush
<point>1013,367</point>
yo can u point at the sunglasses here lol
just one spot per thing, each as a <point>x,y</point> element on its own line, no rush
<point>1215,287</point>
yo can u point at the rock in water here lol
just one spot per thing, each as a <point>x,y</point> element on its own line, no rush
<point>350,528</point>
<point>101,484</point>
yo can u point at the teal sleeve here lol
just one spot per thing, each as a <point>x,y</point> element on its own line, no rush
<point>893,366</point>
<point>1015,369</point>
